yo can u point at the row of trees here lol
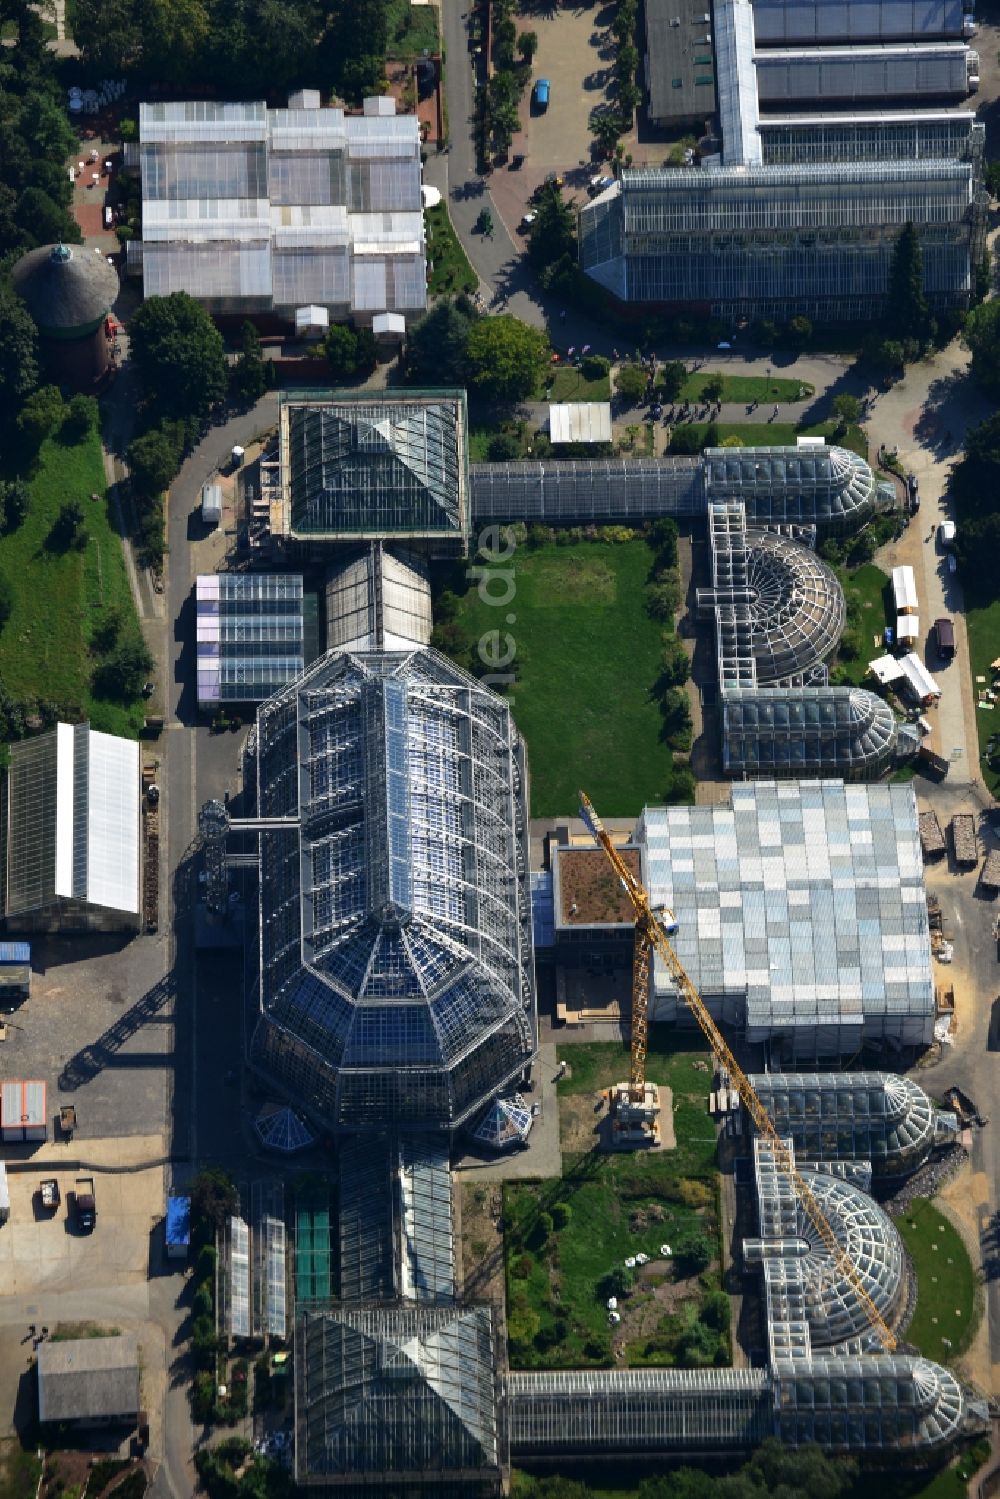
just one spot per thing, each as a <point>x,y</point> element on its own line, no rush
<point>37,137</point>
<point>240,48</point>
<point>615,120</point>
<point>774,1472</point>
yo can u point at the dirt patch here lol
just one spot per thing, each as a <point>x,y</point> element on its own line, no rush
<point>962,1200</point>
<point>580,1122</point>
<point>481,1271</point>
<point>590,890</point>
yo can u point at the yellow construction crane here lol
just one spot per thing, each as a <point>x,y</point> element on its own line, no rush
<point>653,928</point>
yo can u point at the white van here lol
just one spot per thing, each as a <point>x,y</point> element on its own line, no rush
<point>4,1194</point>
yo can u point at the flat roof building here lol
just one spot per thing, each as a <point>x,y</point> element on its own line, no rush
<point>89,1381</point>
<point>72,831</point>
<point>257,210</point>
<point>251,635</point>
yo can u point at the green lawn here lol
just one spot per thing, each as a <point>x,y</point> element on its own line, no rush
<point>983,624</point>
<point>569,384</point>
<point>451,272</point>
<point>587,657</point>
<point>747,388</point>
<point>864,588</point>
<point>60,597</point>
<point>412,30</point>
<point>946,1283</point>
<point>20,1471</point>
<point>620,1204</point>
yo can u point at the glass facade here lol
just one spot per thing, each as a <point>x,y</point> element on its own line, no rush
<point>358,468</point>
<point>250,635</point>
<point>396,966</point>
<point>802,731</point>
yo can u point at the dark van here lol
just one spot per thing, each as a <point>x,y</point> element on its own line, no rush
<point>944,633</point>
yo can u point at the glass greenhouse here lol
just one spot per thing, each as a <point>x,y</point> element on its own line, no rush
<point>829,487</point>
<point>404,1394</point>
<point>397,980</point>
<point>779,610</point>
<point>250,635</point>
<point>874,1116</point>
<point>255,210</point>
<point>776,240</point>
<point>802,731</point>
<point>357,468</point>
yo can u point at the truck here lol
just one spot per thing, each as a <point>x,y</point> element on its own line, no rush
<point>49,1193</point>
<point>944,634</point>
<point>85,1203</point>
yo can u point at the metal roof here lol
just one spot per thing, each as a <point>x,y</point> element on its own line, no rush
<point>377,601</point>
<point>737,82</point>
<point>88,1379</point>
<point>66,288</point>
<point>784,22</point>
<point>580,421</point>
<point>250,634</point>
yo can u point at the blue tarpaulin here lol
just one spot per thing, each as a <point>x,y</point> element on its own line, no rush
<point>178,1224</point>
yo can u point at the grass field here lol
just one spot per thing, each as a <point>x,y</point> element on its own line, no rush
<point>945,1316</point>
<point>587,656</point>
<point>619,1205</point>
<point>747,388</point>
<point>865,587</point>
<point>983,624</point>
<point>451,271</point>
<point>59,598</point>
<point>412,30</point>
<point>571,384</point>
<point>20,1471</point>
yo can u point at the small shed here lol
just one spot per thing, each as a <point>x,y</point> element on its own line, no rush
<point>904,590</point>
<point>15,971</point>
<point>22,1112</point>
<point>389,327</point>
<point>580,421</point>
<point>311,322</point>
<point>178,1231</point>
<point>211,504</point>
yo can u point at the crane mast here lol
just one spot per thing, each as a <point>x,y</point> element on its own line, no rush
<point>653,928</point>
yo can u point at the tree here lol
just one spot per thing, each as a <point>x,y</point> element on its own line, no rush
<point>42,414</point>
<point>44,220</point>
<point>798,332</point>
<point>6,599</point>
<point>180,355</point>
<point>847,410</point>
<point>692,1252</point>
<point>81,418</point>
<point>341,349</point>
<point>125,672</point>
<point>712,388</point>
<point>663,598</point>
<point>662,536</point>
<point>15,499</point>
<point>502,447</point>
<point>250,374</point>
<point>716,1311</point>
<point>732,441</point>
<point>153,460</point>
<point>436,349</point>
<point>686,439</point>
<point>884,354</point>
<point>981,335</point>
<point>595,367</point>
<point>606,128</point>
<point>672,379</point>
<point>675,667</point>
<point>504,358</point>
<point>18,353</point>
<point>553,234</point>
<point>907,314</point>
<point>527,46</point>
<point>68,528</point>
<point>630,383</point>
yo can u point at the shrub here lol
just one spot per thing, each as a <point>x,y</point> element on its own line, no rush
<point>619,1281</point>
<point>692,1252</point>
<point>686,439</point>
<point>42,414</point>
<point>694,1193</point>
<point>630,383</point>
<point>522,1267</point>
<point>203,1397</point>
<point>125,672</point>
<point>503,447</point>
<point>715,1311</point>
<point>81,416</point>
<point>594,366</point>
<point>6,600</point>
<point>541,1230</point>
<point>203,1304</point>
<point>68,528</point>
<point>562,1215</point>
<point>663,597</point>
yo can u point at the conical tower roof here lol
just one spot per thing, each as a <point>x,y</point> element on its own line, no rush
<point>66,288</point>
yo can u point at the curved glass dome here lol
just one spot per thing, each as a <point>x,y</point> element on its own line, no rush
<point>396,976</point>
<point>830,487</point>
<point>853,1116</point>
<point>887,1402</point>
<point>796,606</point>
<point>796,731</point>
<point>874,1248</point>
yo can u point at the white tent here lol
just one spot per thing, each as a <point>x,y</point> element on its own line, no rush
<point>886,669</point>
<point>919,678</point>
<point>580,421</point>
<point>904,590</point>
<point>907,627</point>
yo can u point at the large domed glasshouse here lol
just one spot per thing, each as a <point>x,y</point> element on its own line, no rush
<point>396,973</point>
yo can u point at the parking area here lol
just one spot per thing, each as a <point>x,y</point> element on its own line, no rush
<point>98,1029</point>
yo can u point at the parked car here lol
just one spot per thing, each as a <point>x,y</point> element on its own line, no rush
<point>946,532</point>
<point>599,184</point>
<point>944,635</point>
<point>526,222</point>
<point>540,94</point>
